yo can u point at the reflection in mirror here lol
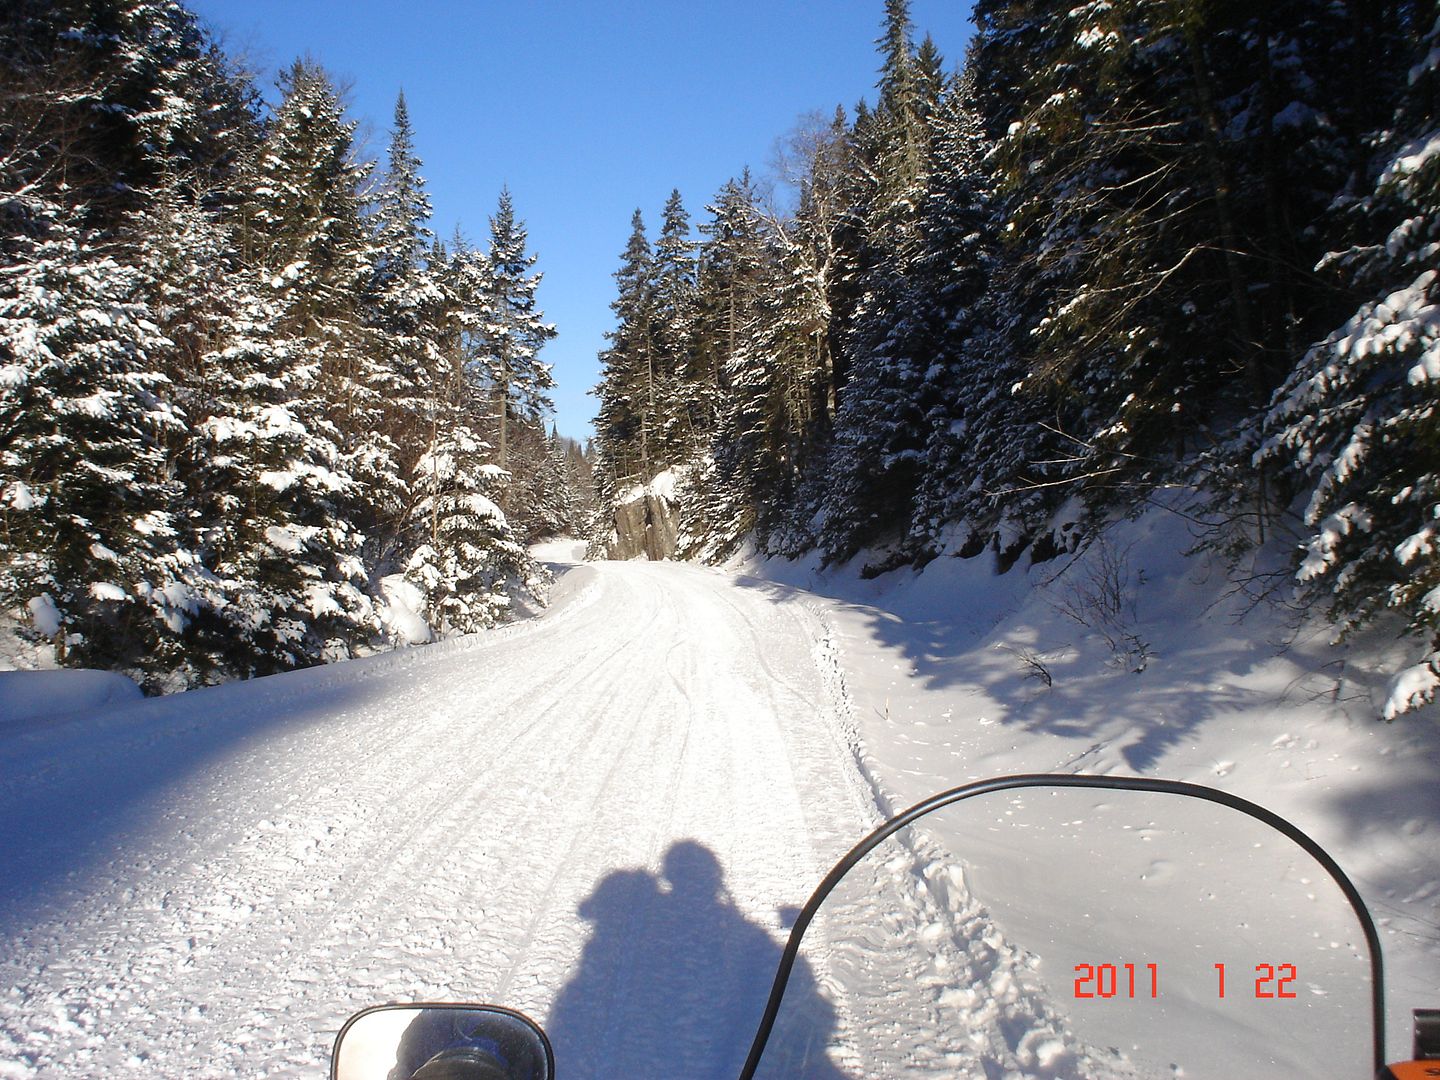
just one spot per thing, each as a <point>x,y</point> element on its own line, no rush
<point>441,1042</point>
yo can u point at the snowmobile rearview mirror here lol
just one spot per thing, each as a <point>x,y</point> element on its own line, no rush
<point>441,1041</point>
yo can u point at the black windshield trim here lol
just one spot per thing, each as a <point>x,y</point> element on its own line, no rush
<point>1072,780</point>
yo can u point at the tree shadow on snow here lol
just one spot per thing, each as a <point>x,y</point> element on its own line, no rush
<point>673,982</point>
<point>1004,656</point>
<point>90,798</point>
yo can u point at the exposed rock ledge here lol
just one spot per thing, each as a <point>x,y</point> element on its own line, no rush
<point>647,522</point>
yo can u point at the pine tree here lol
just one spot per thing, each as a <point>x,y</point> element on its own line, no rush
<point>469,565</point>
<point>879,424</point>
<point>88,536</point>
<point>625,424</point>
<point>466,558</point>
<point>555,508</point>
<point>897,132</point>
<point>315,260</point>
<point>226,395</point>
<point>512,340</point>
<point>119,94</point>
<point>259,461</point>
<point>1161,162</point>
<point>1359,418</point>
<point>120,120</point>
<point>962,389</point>
<point>687,396</point>
<point>466,283</point>
<point>403,208</point>
<point>731,260</point>
<point>776,387</point>
<point>409,317</point>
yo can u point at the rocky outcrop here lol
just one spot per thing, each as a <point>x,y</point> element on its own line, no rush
<point>647,523</point>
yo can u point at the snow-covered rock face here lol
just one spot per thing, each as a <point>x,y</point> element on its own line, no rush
<point>646,524</point>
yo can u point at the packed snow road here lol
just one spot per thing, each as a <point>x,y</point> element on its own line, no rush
<point>597,816</point>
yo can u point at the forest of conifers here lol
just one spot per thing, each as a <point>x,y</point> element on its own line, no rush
<point>253,415</point>
<point>1131,252</point>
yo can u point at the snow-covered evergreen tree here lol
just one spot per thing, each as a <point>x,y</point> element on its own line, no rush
<point>258,462</point>
<point>407,297</point>
<point>315,262</point>
<point>962,386</point>
<point>466,555</point>
<point>1359,419</point>
<point>625,421</point>
<point>89,537</point>
<point>114,95</point>
<point>554,502</point>
<point>510,343</point>
<point>412,312</point>
<point>879,422</point>
<point>732,261</point>
<point>1162,163</point>
<point>908,87</point>
<point>119,119</point>
<point>469,564</point>
<point>687,399</point>
<point>219,378</point>
<point>402,208</point>
<point>730,258</point>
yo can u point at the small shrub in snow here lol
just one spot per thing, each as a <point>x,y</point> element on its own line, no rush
<point>1099,595</point>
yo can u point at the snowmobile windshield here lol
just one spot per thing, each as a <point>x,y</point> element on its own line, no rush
<point>1081,932</point>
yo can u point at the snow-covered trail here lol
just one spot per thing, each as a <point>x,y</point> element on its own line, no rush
<point>605,815</point>
<point>207,885</point>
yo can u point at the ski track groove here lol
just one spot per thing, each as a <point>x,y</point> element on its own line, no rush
<point>433,836</point>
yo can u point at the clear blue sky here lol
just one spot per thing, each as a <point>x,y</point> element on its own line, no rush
<point>587,109</point>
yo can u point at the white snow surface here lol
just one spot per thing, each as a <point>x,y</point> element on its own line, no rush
<point>28,696</point>
<point>607,815</point>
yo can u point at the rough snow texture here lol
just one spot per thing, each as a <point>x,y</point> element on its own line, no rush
<point>606,816</point>
<point>944,672</point>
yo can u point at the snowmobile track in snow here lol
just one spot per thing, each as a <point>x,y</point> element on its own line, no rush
<point>209,884</point>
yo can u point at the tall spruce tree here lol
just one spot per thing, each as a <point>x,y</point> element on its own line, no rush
<point>315,259</point>
<point>83,488</point>
<point>411,314</point>
<point>688,394</point>
<point>1161,162</point>
<point>732,258</point>
<point>951,276</point>
<point>511,341</point>
<point>879,426</point>
<point>625,422</point>
<point>112,115</point>
<point>469,563</point>
<point>464,552</point>
<point>111,96</point>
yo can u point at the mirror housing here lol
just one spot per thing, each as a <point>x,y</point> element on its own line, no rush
<point>441,1041</point>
